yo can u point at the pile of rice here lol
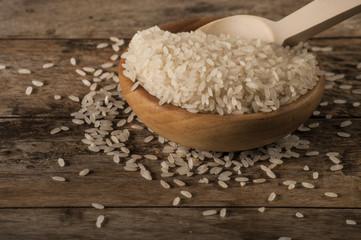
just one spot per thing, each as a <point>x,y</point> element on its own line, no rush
<point>218,74</point>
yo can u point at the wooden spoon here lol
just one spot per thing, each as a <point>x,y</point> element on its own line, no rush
<point>299,26</point>
<point>208,131</point>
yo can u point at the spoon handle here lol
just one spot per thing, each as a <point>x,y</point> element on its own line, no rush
<point>313,18</point>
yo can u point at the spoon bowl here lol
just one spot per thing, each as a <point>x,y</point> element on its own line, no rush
<point>214,132</point>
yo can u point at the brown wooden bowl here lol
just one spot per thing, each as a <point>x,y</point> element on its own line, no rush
<point>214,132</point>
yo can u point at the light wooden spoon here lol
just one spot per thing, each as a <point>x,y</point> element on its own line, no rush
<point>299,26</point>
<point>214,132</point>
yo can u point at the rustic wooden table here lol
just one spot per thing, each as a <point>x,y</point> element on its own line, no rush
<point>33,206</point>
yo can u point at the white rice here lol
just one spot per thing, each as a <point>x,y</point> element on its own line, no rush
<point>345,86</point>
<point>86,82</point>
<point>58,179</point>
<point>176,201</point>
<point>88,69</point>
<point>316,113</point>
<point>271,197</point>
<point>334,159</point>
<point>102,45</point>
<point>80,72</point>
<point>350,222</point>
<point>299,215</point>
<point>335,77</point>
<point>334,154</point>
<point>24,71</point>
<point>98,72</point>
<point>48,65</point>
<point>114,57</point>
<point>164,184</point>
<point>37,83</point>
<point>57,97</point>
<point>356,104</point>
<point>209,212</point>
<point>115,47</point>
<point>72,61</point>
<point>64,128</point>
<point>312,153</point>
<point>97,206</point>
<point>343,134</point>
<point>258,77</point>
<point>107,65</point>
<point>331,194</point>
<point>100,220</point>
<point>29,90</point>
<point>261,209</point>
<point>61,162</point>
<point>306,168</point>
<point>78,121</point>
<point>114,39</point>
<point>308,185</point>
<point>222,184</point>
<point>148,139</point>
<point>285,238</point>
<point>259,180</point>
<point>336,167</point>
<point>340,101</point>
<point>345,123</point>
<point>314,125</point>
<point>315,175</point>
<point>186,194</point>
<point>55,130</point>
<point>179,182</point>
<point>223,212</point>
<point>73,98</point>
<point>2,66</point>
<point>288,182</point>
<point>150,157</point>
<point>84,172</point>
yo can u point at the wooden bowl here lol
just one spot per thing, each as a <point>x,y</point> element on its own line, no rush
<point>210,131</point>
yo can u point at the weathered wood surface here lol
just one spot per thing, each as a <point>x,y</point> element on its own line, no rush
<point>99,19</point>
<point>35,153</point>
<point>182,223</point>
<point>18,54</point>
<point>33,206</point>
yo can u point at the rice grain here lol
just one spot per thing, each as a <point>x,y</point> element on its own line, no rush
<point>97,206</point>
<point>84,172</point>
<point>48,65</point>
<point>58,179</point>
<point>61,162</point>
<point>186,194</point>
<point>24,71</point>
<point>100,220</point>
<point>209,212</point>
<point>29,90</point>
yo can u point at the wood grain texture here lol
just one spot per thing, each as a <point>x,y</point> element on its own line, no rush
<point>63,80</point>
<point>28,160</point>
<point>100,19</point>
<point>182,223</point>
<point>33,206</point>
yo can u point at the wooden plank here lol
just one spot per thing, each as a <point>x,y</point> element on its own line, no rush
<point>28,159</point>
<point>63,80</point>
<point>182,223</point>
<point>99,19</point>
